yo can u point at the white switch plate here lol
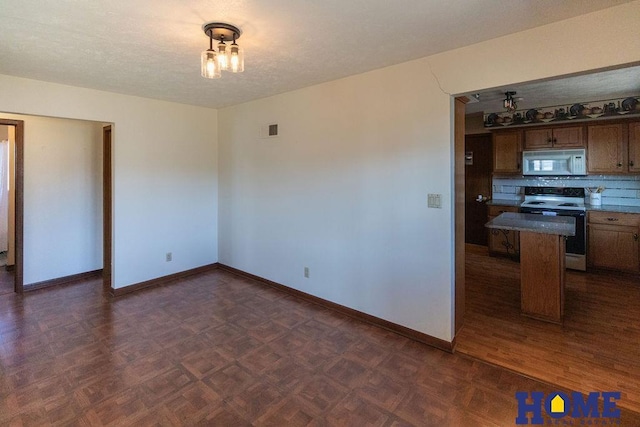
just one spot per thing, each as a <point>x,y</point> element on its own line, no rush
<point>434,201</point>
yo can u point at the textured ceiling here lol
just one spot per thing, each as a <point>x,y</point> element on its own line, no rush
<point>152,48</point>
<point>604,85</point>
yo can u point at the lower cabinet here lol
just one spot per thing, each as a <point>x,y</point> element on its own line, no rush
<point>503,242</point>
<point>613,241</point>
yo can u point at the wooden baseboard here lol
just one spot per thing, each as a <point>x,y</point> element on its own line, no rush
<point>63,280</point>
<point>394,327</point>
<point>161,280</point>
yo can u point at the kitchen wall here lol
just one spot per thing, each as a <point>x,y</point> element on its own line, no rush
<point>474,124</point>
<point>619,190</point>
<point>165,176</point>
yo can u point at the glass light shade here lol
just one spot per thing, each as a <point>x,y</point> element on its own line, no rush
<point>223,56</point>
<point>209,67</point>
<point>236,59</point>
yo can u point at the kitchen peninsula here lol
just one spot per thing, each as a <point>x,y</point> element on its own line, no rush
<point>542,261</point>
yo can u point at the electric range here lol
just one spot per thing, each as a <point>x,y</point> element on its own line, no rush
<point>562,201</point>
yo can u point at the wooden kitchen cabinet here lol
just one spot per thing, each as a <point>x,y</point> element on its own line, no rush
<point>503,242</point>
<point>613,241</point>
<point>507,152</point>
<point>634,147</point>
<point>554,137</point>
<point>606,149</point>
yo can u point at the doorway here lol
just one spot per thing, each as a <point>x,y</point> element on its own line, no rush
<point>478,167</point>
<point>77,181</point>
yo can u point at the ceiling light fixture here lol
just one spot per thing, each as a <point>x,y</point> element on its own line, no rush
<point>509,103</point>
<point>225,57</point>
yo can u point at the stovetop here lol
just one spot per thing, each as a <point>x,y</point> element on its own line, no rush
<point>567,198</point>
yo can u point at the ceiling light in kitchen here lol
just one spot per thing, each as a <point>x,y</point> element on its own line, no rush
<point>509,103</point>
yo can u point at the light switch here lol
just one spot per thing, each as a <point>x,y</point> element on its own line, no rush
<point>434,201</point>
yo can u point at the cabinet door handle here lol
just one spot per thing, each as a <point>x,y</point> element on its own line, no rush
<point>631,163</point>
<point>555,140</point>
<point>612,219</point>
<point>635,237</point>
<point>619,165</point>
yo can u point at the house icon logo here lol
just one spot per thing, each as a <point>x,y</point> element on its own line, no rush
<point>557,405</point>
<point>566,408</point>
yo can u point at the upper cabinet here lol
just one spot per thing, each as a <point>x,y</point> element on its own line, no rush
<point>507,152</point>
<point>607,148</point>
<point>634,147</point>
<point>554,137</point>
<point>612,146</point>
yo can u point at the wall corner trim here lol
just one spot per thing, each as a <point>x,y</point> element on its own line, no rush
<point>63,280</point>
<point>385,324</point>
<point>162,280</point>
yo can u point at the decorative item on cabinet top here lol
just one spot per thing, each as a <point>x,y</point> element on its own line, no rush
<point>564,113</point>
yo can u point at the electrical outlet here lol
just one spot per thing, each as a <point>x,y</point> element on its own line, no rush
<point>169,256</point>
<point>306,272</point>
<point>434,201</point>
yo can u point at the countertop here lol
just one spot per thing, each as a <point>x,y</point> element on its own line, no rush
<point>558,225</point>
<point>606,208</point>
<point>614,208</point>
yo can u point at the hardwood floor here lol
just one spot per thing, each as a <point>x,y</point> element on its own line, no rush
<point>597,348</point>
<point>217,349</point>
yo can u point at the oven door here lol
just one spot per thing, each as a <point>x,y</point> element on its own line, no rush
<point>575,244</point>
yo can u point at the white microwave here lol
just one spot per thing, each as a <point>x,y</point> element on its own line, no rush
<point>554,162</point>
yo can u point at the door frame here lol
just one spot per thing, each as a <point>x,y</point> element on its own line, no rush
<point>459,216</point>
<point>18,285</point>
<point>107,226</point>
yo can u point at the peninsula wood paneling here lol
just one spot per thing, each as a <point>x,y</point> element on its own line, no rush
<point>542,275</point>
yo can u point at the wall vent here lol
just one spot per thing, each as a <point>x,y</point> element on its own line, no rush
<point>269,131</point>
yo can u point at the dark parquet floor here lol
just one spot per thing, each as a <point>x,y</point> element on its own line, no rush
<point>216,349</point>
<point>6,281</point>
<point>596,349</point>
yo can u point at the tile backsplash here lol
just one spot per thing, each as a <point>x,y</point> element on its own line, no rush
<point>619,189</point>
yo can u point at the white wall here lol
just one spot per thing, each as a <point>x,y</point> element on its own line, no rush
<point>165,173</point>
<point>344,189</point>
<point>343,192</point>
<point>62,197</point>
